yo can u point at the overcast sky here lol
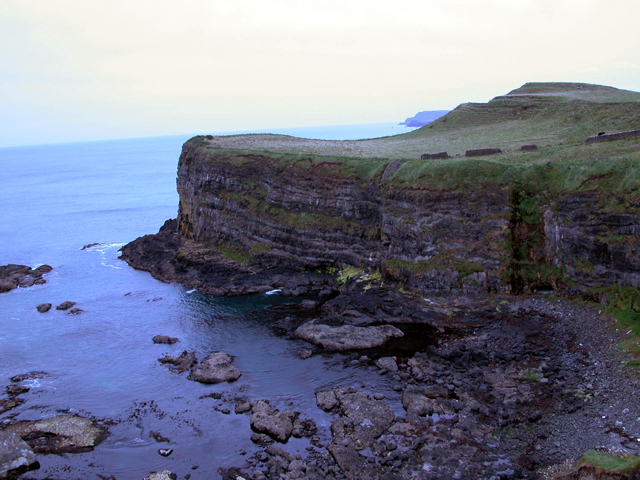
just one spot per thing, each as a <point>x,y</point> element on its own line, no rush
<point>74,70</point>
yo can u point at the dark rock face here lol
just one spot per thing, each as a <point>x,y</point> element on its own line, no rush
<point>14,276</point>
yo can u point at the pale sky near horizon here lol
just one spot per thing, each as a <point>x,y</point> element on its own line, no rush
<point>75,70</point>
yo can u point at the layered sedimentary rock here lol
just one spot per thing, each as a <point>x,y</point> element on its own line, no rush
<point>252,221</point>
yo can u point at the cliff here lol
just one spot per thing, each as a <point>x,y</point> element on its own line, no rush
<point>489,228</point>
<point>264,211</point>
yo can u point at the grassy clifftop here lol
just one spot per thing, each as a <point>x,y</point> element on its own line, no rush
<point>557,117</point>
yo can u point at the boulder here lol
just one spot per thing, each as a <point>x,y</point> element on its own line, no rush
<point>65,305</point>
<point>387,363</point>
<point>184,362</point>
<point>16,457</point>
<point>267,420</point>
<point>346,337</point>
<point>44,307</point>
<point>216,368</point>
<point>60,434</point>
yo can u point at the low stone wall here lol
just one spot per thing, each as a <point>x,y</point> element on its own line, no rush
<point>606,137</point>
<point>434,156</point>
<point>482,151</point>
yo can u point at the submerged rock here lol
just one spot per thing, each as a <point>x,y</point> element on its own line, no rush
<point>16,457</point>
<point>165,339</point>
<point>60,434</point>
<point>7,404</point>
<point>346,337</point>
<point>215,368</point>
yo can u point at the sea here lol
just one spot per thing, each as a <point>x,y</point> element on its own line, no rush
<point>102,363</point>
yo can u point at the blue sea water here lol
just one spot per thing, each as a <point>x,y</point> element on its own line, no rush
<point>102,363</point>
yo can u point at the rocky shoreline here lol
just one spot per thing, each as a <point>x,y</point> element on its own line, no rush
<point>512,385</point>
<point>511,398</point>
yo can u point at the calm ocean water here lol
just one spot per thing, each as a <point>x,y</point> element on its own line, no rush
<point>102,363</point>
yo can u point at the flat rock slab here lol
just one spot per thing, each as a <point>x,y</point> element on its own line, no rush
<point>16,457</point>
<point>60,434</point>
<point>215,368</point>
<point>14,276</point>
<point>346,337</point>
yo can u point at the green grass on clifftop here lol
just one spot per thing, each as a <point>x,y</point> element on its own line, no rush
<point>557,117</point>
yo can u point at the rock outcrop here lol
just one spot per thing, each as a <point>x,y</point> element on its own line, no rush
<point>14,276</point>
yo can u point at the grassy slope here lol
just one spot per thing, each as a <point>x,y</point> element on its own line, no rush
<point>558,117</point>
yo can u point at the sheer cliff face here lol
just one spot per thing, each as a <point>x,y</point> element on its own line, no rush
<point>265,210</point>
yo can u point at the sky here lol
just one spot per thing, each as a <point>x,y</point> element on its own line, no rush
<point>103,69</point>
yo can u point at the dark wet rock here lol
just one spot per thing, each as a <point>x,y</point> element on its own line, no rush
<point>65,305</point>
<point>163,475</point>
<point>60,434</point>
<point>184,362</point>
<point>165,339</point>
<point>387,363</point>
<point>44,307</point>
<point>217,367</point>
<point>16,457</point>
<point>28,376</point>
<point>346,337</point>
<point>305,354</point>
<point>232,474</point>
<point>158,437</point>
<point>7,404</point>
<point>243,406</point>
<point>14,390</point>
<point>14,276</point>
<point>75,311</point>
<point>90,245</point>
<point>362,419</point>
<point>304,428</point>
<point>268,420</point>
<point>165,452</point>
<point>352,463</point>
<point>327,400</point>
<point>261,438</point>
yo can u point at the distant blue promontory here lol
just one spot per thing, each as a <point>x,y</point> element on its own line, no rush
<point>421,119</point>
